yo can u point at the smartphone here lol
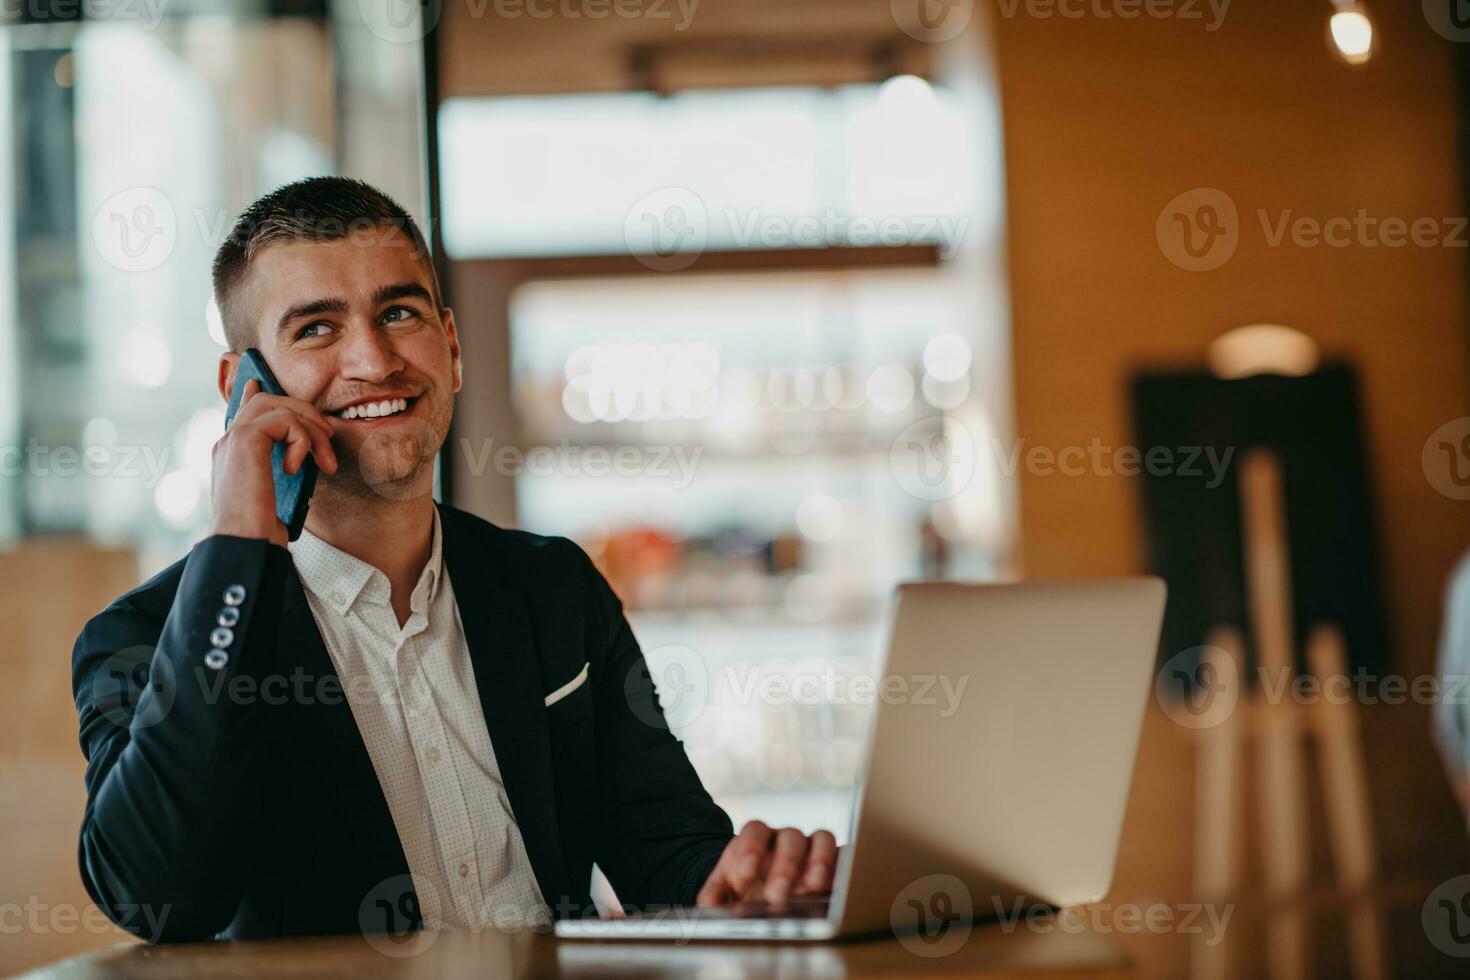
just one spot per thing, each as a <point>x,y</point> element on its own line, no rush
<point>293,490</point>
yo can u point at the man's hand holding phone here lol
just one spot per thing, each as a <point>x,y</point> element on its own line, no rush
<point>244,495</point>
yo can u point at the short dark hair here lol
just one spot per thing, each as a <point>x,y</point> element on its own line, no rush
<point>320,209</point>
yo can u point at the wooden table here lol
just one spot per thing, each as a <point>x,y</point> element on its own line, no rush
<point>987,952</point>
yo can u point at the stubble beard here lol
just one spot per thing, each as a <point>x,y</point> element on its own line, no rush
<point>389,468</point>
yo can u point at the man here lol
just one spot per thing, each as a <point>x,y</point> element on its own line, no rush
<point>408,716</point>
<point>1451,719</point>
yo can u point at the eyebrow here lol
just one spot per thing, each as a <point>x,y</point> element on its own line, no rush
<point>402,290</point>
<point>310,309</point>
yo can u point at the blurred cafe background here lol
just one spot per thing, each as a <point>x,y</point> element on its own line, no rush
<point>771,306</point>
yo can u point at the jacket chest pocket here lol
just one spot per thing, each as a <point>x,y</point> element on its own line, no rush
<point>570,704</point>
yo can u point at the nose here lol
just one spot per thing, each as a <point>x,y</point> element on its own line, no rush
<point>367,354</point>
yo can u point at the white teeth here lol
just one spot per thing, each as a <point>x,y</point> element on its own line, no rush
<point>373,410</point>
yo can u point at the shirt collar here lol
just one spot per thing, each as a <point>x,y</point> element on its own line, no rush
<point>339,578</point>
<point>434,568</point>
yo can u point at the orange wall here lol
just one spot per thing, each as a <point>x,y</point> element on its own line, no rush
<point>1105,122</point>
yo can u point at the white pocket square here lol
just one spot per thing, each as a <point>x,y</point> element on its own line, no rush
<point>567,688</point>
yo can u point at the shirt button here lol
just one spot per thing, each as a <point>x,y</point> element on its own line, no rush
<point>234,595</point>
<point>434,754</point>
<point>464,870</point>
<point>216,659</point>
<point>228,616</point>
<point>221,637</point>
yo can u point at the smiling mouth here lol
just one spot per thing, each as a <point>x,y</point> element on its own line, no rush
<point>367,411</point>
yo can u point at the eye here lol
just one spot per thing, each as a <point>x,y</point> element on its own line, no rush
<point>397,314</point>
<point>313,329</point>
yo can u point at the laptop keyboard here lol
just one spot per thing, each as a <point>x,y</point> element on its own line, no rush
<point>796,907</point>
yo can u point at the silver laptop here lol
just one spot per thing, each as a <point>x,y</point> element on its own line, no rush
<point>1012,801</point>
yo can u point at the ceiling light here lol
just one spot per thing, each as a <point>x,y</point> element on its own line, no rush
<point>1351,33</point>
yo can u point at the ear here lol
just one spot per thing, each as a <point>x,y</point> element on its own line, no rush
<point>447,315</point>
<point>229,363</point>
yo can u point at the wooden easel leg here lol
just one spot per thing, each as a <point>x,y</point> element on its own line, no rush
<point>1218,794</point>
<point>1345,789</point>
<point>1282,806</point>
<point>1283,781</point>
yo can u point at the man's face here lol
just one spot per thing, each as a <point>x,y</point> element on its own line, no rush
<point>350,324</point>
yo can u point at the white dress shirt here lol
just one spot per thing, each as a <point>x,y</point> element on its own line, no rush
<point>412,692</point>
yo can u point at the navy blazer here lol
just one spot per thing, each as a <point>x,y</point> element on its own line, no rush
<point>238,800</point>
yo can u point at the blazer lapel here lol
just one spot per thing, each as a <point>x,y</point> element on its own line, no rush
<point>331,734</point>
<point>507,671</point>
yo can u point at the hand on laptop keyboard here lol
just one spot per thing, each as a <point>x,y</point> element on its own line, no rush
<point>771,866</point>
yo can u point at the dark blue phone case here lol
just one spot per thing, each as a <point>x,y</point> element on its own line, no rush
<point>293,491</point>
